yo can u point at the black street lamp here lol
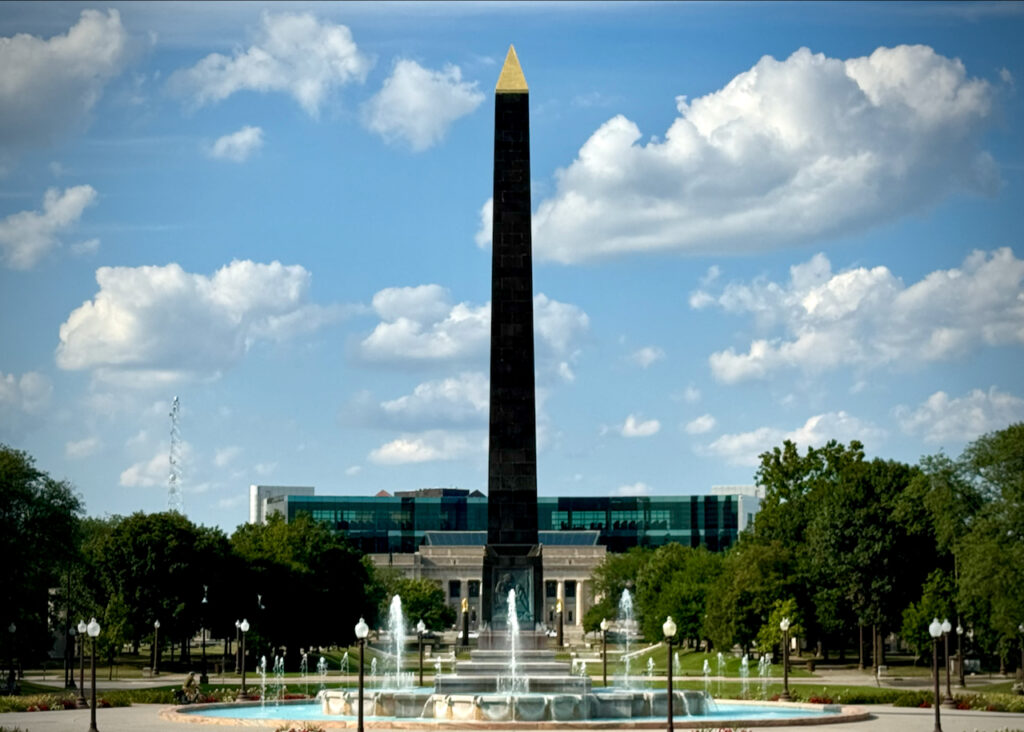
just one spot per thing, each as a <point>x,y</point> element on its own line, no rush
<point>70,671</point>
<point>604,651</point>
<point>203,678</point>
<point>362,630</point>
<point>935,630</point>
<point>244,627</point>
<point>420,629</point>
<point>948,701</point>
<point>156,647</point>
<point>238,650</point>
<point>1020,629</point>
<point>960,654</point>
<point>94,630</point>
<point>560,612</point>
<point>465,623</point>
<point>81,703</point>
<point>784,625</point>
<point>12,628</point>
<point>669,629</point>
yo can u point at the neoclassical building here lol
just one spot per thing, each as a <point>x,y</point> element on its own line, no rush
<point>439,533</point>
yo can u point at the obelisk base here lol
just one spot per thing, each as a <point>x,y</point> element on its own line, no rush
<point>512,566</point>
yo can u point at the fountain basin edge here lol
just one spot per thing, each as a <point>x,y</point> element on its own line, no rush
<point>193,714</point>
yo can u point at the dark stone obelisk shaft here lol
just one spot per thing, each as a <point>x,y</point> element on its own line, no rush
<point>512,454</point>
<point>512,557</point>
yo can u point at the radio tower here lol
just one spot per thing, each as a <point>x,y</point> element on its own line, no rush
<point>175,501</point>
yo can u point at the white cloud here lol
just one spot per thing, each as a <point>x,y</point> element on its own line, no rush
<point>82,248</point>
<point>691,394</point>
<point>704,423</point>
<point>293,53</point>
<point>264,469</point>
<point>941,419</point>
<point>22,400</point>
<point>226,455</point>
<point>353,470</point>
<point>633,427</point>
<point>635,489</point>
<point>743,448</point>
<point>77,449</point>
<point>50,86</point>
<point>867,318</point>
<point>788,152</point>
<point>430,446</point>
<point>238,146</point>
<point>153,325</point>
<point>418,105</point>
<point>647,355</point>
<point>147,473</point>
<point>27,236</point>
<point>484,233</point>
<point>421,324</point>
<point>459,400</point>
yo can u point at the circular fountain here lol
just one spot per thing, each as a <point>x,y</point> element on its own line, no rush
<point>520,683</point>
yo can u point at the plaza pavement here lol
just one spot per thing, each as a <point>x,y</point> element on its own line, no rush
<point>145,717</point>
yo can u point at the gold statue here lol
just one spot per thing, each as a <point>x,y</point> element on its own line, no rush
<point>558,605</point>
<point>465,605</point>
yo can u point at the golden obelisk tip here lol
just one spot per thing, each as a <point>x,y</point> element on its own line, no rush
<point>511,80</point>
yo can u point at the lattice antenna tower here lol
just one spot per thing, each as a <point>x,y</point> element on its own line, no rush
<point>175,500</point>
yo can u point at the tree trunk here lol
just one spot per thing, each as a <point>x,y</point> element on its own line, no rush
<point>881,648</point>
<point>860,647</point>
<point>874,649</point>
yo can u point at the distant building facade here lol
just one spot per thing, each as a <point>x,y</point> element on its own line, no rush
<point>439,533</point>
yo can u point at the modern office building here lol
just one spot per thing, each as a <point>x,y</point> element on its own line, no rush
<point>440,533</point>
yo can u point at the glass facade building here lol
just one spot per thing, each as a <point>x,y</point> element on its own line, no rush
<point>398,524</point>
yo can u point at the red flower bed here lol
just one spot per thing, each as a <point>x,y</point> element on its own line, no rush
<point>815,699</point>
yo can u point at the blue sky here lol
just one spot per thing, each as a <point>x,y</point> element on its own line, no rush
<point>752,222</point>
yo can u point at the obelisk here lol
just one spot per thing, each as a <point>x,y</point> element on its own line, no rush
<point>512,557</point>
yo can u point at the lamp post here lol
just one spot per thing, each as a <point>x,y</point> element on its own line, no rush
<point>559,610</point>
<point>465,623</point>
<point>946,627</point>
<point>203,678</point>
<point>81,703</point>
<point>72,633</point>
<point>420,629</point>
<point>238,666</point>
<point>1020,629</point>
<point>960,654</point>
<point>156,647</point>
<point>669,629</point>
<point>94,630</point>
<point>12,629</point>
<point>244,627</point>
<point>935,630</point>
<point>604,651</point>
<point>784,625</point>
<point>362,630</point>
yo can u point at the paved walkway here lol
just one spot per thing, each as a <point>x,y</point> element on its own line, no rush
<point>147,717</point>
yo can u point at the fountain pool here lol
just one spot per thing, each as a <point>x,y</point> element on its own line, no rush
<point>727,714</point>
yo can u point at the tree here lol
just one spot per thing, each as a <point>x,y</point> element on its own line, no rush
<point>770,634</point>
<point>422,599</point>
<point>157,564</point>
<point>675,581</point>
<point>616,573</point>
<point>991,552</point>
<point>304,584</point>
<point>754,575</point>
<point>39,524</point>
